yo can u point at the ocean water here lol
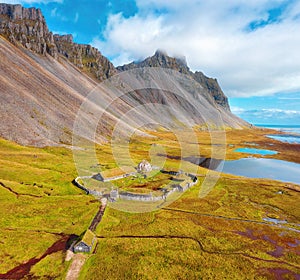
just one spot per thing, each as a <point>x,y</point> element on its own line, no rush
<point>286,128</point>
<point>292,137</point>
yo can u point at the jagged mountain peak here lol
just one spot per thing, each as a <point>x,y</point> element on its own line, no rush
<point>27,26</point>
<point>17,12</point>
<point>66,38</point>
<point>161,59</point>
<point>162,55</point>
<point>161,52</point>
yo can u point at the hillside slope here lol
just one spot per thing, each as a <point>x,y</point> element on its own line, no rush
<point>44,79</point>
<point>39,96</point>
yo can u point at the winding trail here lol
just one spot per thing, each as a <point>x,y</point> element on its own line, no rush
<point>75,267</point>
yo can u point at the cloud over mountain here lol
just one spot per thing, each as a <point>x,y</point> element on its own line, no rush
<point>252,46</point>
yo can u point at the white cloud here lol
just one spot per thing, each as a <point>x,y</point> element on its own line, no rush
<point>53,12</point>
<point>280,111</point>
<point>76,17</point>
<point>289,98</point>
<point>138,34</point>
<point>269,115</point>
<point>237,110</point>
<point>215,39</point>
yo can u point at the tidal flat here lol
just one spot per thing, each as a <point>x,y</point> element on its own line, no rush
<point>230,231</point>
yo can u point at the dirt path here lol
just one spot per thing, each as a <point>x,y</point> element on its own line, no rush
<point>75,267</point>
<point>98,217</point>
<point>78,258</point>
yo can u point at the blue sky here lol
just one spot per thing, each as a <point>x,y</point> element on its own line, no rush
<point>279,109</point>
<point>251,47</point>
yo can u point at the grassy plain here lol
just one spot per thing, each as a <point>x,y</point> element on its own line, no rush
<point>215,237</point>
<point>220,236</point>
<point>39,205</point>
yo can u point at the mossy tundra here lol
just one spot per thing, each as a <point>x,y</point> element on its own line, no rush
<point>220,236</point>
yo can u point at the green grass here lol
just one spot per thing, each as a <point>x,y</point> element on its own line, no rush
<point>224,249</point>
<point>38,202</point>
<point>220,222</point>
<point>51,267</point>
<point>220,235</point>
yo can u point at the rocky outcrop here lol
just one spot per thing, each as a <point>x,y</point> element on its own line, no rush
<point>27,27</point>
<point>85,57</point>
<point>40,99</point>
<point>161,59</point>
<point>212,86</point>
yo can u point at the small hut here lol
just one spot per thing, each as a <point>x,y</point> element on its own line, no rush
<point>86,244</point>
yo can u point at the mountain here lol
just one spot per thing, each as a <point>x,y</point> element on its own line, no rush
<point>161,59</point>
<point>27,27</point>
<point>44,79</point>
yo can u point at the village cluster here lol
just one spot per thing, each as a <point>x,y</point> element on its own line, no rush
<point>182,182</point>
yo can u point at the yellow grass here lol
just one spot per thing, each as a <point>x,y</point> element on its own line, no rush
<point>217,236</point>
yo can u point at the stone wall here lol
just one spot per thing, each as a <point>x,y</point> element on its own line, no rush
<point>88,191</point>
<point>151,198</point>
<point>139,197</point>
<point>115,194</point>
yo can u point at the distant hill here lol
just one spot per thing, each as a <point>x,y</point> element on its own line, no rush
<point>44,78</point>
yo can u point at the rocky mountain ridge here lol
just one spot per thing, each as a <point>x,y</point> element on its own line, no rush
<point>45,78</point>
<point>27,27</point>
<point>161,59</point>
<point>85,57</point>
